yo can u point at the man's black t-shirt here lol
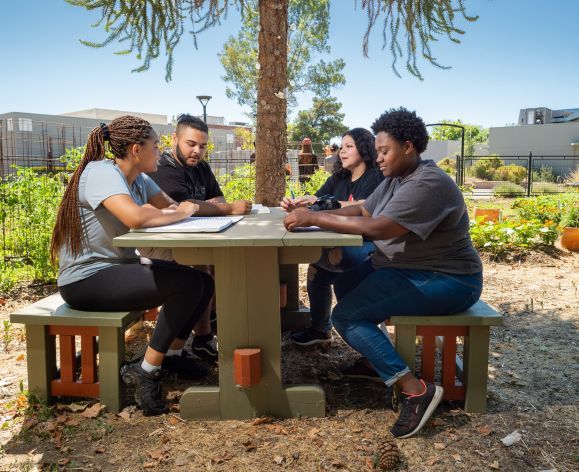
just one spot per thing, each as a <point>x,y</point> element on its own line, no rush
<point>183,182</point>
<point>343,189</point>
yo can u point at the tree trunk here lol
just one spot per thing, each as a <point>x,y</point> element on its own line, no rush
<point>271,132</point>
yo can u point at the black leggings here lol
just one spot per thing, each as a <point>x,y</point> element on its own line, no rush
<point>184,293</point>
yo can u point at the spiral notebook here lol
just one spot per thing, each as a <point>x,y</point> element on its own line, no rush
<point>194,224</point>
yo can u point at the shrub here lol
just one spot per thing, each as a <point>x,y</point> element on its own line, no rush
<point>448,165</point>
<point>485,168</point>
<point>511,173</point>
<point>573,176</point>
<point>544,174</point>
<point>545,187</point>
<point>508,189</point>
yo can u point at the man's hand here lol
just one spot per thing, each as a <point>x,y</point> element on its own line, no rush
<point>298,219</point>
<point>240,207</point>
<point>290,204</point>
<point>187,208</point>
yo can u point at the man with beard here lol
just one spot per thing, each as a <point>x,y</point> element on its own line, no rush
<point>183,174</point>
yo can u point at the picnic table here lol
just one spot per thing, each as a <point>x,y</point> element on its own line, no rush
<point>248,258</point>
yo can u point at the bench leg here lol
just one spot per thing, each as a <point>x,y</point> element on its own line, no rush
<point>111,356</point>
<point>406,344</point>
<point>41,360</point>
<point>476,366</point>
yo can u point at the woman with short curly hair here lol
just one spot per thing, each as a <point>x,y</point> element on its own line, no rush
<point>424,264</point>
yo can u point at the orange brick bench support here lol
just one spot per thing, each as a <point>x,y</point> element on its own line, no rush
<point>51,317</point>
<point>474,326</point>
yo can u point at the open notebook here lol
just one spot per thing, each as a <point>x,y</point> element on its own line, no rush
<point>195,224</point>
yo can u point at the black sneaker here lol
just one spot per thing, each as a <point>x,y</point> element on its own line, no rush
<point>362,370</point>
<point>415,410</point>
<point>147,388</point>
<point>205,347</point>
<point>184,366</point>
<point>310,336</point>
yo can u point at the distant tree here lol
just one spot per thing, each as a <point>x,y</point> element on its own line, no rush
<point>246,136</point>
<point>322,122</point>
<point>307,37</point>
<point>472,134</point>
<point>152,27</point>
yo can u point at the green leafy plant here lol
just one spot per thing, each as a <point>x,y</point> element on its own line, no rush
<point>240,185</point>
<point>317,179</point>
<point>544,208</point>
<point>512,235</point>
<point>27,213</point>
<point>7,334</point>
<point>571,218</point>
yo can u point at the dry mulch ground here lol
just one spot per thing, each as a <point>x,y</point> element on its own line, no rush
<point>533,382</point>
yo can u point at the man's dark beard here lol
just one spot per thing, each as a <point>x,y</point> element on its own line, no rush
<point>181,157</point>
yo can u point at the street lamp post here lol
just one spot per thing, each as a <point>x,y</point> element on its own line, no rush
<point>204,99</point>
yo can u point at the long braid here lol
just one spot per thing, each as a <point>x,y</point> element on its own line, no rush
<point>120,134</point>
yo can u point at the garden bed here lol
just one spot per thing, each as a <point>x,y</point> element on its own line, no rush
<point>530,390</point>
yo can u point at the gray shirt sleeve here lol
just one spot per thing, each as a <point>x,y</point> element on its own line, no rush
<point>103,182</point>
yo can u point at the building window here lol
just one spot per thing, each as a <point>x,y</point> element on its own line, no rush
<point>9,124</point>
<point>24,124</point>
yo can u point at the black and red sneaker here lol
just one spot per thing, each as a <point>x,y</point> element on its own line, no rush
<point>415,410</point>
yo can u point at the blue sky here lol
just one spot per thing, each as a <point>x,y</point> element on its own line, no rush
<point>520,53</point>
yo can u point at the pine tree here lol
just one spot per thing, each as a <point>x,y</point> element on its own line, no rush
<point>152,27</point>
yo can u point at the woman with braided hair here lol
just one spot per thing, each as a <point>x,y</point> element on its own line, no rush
<point>104,199</point>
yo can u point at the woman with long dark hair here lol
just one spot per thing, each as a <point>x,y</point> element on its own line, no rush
<point>106,198</point>
<point>354,178</point>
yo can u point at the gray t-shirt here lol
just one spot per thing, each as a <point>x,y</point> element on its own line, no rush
<point>98,181</point>
<point>430,205</point>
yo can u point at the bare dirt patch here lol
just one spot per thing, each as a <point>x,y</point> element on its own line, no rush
<point>533,382</point>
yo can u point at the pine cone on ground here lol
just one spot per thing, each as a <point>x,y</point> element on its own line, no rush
<point>388,454</point>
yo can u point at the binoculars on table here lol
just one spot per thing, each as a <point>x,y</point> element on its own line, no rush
<point>325,202</point>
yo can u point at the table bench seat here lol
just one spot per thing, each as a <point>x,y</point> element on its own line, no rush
<point>51,317</point>
<point>473,325</point>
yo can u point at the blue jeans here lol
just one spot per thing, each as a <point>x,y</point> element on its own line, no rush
<point>368,296</point>
<point>321,276</point>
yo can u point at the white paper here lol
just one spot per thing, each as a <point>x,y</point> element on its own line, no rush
<point>195,224</point>
<point>258,208</point>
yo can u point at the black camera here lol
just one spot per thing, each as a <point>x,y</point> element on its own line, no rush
<point>325,202</point>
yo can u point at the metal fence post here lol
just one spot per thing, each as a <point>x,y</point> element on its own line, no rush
<point>530,174</point>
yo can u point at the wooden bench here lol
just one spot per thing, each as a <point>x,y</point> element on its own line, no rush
<point>474,326</point>
<point>51,317</point>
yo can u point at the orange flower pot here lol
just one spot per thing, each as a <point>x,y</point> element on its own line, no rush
<point>570,239</point>
<point>488,214</point>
